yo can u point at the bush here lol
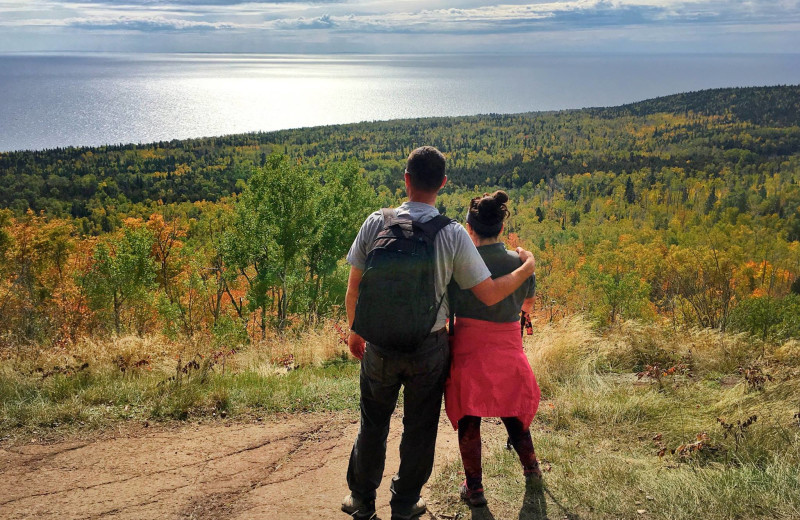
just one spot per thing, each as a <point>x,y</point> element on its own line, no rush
<point>789,327</point>
<point>767,317</point>
<point>229,332</point>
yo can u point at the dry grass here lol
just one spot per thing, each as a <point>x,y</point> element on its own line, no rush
<point>564,351</point>
<point>155,353</point>
<point>612,441</point>
<point>98,381</point>
<point>788,353</point>
<point>634,345</point>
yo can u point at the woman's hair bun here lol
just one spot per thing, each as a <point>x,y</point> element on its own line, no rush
<point>488,213</point>
<point>500,196</point>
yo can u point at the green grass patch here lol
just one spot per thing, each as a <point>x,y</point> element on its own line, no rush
<point>99,398</point>
<point>617,447</point>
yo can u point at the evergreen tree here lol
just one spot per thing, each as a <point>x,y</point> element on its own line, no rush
<point>710,201</point>
<point>630,194</point>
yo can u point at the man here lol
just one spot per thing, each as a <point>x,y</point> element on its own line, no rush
<point>422,372</point>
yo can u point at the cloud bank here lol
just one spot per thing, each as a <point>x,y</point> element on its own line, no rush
<point>340,25</point>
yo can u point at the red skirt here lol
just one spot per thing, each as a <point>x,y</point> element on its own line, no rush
<point>489,373</point>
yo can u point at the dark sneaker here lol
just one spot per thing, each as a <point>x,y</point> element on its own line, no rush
<point>473,497</point>
<point>359,509</point>
<point>416,510</point>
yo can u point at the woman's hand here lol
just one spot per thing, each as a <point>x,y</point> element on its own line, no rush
<point>356,344</point>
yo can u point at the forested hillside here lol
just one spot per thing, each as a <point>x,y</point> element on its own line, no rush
<point>685,207</point>
<point>704,135</point>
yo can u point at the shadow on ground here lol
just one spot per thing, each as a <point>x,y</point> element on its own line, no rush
<point>534,504</point>
<point>482,513</point>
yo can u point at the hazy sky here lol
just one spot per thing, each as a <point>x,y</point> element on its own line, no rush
<point>400,26</point>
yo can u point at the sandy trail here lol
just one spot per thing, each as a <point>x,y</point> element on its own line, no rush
<point>284,467</point>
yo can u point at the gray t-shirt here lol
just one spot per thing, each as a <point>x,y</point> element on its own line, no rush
<point>500,262</point>
<point>454,253</point>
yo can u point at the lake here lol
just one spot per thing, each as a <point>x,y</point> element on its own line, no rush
<point>92,99</point>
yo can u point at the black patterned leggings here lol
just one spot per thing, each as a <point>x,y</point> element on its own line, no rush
<point>469,442</point>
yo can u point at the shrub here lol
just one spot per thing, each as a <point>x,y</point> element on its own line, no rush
<point>767,317</point>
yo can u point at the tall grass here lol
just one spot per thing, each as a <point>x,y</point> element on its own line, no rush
<point>623,445</point>
<point>97,382</point>
<point>640,421</point>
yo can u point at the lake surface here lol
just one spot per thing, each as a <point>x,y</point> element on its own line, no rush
<point>92,99</point>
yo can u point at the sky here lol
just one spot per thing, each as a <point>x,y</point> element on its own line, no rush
<point>400,26</point>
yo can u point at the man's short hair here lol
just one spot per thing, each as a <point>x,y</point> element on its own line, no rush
<point>425,167</point>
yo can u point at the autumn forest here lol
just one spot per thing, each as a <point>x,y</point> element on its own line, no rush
<point>683,210</point>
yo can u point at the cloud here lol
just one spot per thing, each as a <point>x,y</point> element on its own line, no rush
<point>157,24</point>
<point>200,3</point>
<point>576,14</point>
<point>322,21</point>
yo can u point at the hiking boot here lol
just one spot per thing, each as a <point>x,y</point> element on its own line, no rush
<point>359,509</point>
<point>473,497</point>
<point>416,510</point>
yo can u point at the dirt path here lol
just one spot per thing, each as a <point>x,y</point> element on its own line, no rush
<point>290,467</point>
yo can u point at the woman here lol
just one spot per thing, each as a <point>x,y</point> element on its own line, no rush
<point>490,375</point>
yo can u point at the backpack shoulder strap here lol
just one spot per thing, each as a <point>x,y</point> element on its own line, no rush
<point>434,225</point>
<point>389,217</point>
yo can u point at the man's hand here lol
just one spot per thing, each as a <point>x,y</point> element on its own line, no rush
<point>492,290</point>
<point>354,341</point>
<point>527,259</point>
<point>357,345</point>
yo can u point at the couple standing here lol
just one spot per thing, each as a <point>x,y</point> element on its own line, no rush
<point>490,375</point>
